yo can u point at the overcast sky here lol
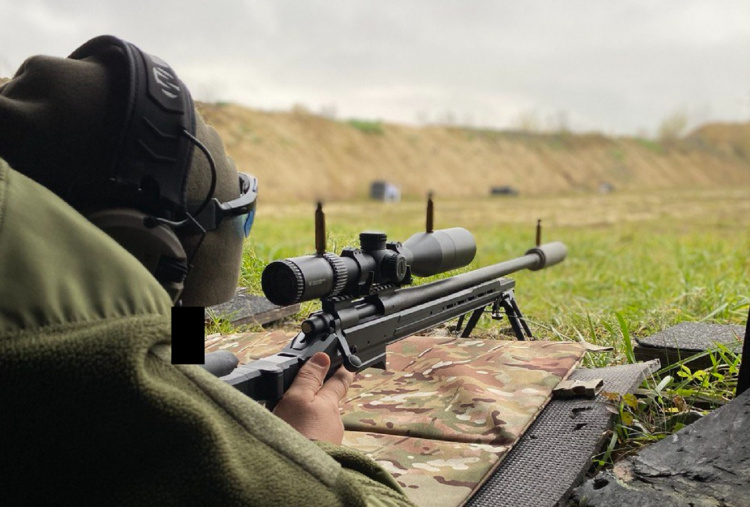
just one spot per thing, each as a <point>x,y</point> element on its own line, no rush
<point>617,67</point>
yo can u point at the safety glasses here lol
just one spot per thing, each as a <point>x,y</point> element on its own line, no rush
<point>244,206</point>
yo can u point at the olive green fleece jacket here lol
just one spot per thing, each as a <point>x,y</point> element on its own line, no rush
<point>92,412</point>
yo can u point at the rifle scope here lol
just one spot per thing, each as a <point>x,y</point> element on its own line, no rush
<point>377,261</point>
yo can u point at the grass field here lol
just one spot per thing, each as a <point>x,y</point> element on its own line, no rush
<point>637,263</point>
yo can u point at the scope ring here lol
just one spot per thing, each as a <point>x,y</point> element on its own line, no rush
<point>339,273</point>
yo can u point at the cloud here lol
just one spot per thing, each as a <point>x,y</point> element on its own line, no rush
<point>617,67</point>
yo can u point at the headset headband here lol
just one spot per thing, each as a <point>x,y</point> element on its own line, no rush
<point>153,155</point>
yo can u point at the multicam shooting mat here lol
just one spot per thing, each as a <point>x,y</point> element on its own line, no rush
<point>446,411</point>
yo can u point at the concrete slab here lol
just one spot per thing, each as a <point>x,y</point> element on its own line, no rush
<point>688,339</point>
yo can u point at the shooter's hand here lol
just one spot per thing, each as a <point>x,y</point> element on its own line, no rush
<point>311,406</point>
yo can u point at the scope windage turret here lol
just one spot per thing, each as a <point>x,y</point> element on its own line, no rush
<point>377,261</point>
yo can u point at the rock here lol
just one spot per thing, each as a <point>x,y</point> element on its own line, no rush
<point>704,464</point>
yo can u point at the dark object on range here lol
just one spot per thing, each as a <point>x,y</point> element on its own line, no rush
<point>504,190</point>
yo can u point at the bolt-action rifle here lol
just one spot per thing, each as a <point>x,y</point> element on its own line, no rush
<point>365,306</point>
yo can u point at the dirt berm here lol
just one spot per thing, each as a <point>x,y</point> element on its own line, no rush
<point>298,155</point>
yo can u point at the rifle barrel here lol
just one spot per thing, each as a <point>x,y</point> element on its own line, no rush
<point>535,259</point>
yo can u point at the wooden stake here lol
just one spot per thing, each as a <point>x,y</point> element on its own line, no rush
<point>539,232</point>
<point>320,230</point>
<point>430,213</point>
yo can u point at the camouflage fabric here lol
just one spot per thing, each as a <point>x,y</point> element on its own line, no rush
<point>446,411</point>
<point>431,472</point>
<point>462,390</point>
<point>249,346</point>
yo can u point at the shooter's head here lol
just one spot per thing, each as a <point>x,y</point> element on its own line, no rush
<point>113,132</point>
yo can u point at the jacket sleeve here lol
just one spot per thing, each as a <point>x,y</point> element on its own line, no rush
<point>93,411</point>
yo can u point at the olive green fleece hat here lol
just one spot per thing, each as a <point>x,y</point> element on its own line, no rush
<point>67,123</point>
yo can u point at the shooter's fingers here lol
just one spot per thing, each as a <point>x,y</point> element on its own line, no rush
<point>336,387</point>
<point>309,378</point>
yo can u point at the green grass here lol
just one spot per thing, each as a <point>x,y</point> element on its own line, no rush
<point>367,126</point>
<point>651,145</point>
<point>636,255</point>
<point>674,397</point>
<point>637,264</point>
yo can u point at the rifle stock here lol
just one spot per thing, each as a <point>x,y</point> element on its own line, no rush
<point>355,331</point>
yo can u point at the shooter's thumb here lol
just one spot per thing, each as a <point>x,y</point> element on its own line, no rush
<point>310,377</point>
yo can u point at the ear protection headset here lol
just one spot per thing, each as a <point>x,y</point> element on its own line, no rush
<point>150,167</point>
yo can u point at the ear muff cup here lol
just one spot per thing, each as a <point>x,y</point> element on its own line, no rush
<point>156,246</point>
<point>153,156</point>
<point>149,169</point>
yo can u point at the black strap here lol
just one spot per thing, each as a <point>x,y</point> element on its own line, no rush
<point>153,156</point>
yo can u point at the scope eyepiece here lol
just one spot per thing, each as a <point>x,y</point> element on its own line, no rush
<point>283,283</point>
<point>290,281</point>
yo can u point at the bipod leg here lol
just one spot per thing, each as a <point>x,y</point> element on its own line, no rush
<point>460,323</point>
<point>476,314</point>
<point>520,317</point>
<point>515,317</point>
